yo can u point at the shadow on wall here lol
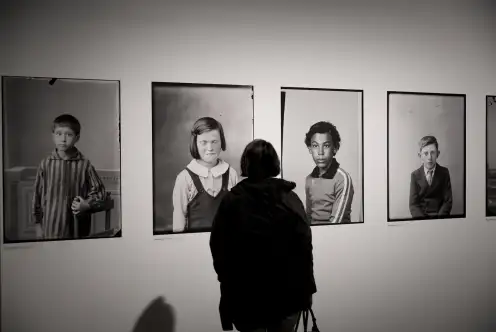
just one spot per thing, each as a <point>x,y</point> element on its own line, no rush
<point>158,316</point>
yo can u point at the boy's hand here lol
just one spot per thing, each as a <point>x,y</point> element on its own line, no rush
<point>80,205</point>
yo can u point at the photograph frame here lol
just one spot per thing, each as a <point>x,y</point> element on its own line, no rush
<point>156,83</point>
<point>361,141</point>
<point>52,80</point>
<point>391,220</point>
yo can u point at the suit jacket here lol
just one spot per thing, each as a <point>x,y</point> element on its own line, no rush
<point>430,200</point>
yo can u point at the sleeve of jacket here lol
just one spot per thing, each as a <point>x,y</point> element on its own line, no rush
<point>304,243</point>
<point>414,200</point>
<point>218,238</point>
<point>37,195</point>
<point>341,209</point>
<point>219,243</point>
<point>445,209</point>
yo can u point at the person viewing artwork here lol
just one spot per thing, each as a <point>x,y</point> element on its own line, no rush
<point>66,186</point>
<point>430,185</point>
<point>261,246</point>
<point>202,184</point>
<point>329,188</point>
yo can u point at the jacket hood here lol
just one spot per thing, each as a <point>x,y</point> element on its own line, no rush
<point>270,188</point>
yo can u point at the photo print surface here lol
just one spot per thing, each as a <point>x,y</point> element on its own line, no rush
<point>199,134</point>
<point>491,156</point>
<point>426,156</point>
<point>322,152</point>
<point>61,159</point>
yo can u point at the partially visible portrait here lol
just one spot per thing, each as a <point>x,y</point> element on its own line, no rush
<point>199,133</point>
<point>61,159</point>
<point>426,156</point>
<point>491,156</point>
<point>322,152</point>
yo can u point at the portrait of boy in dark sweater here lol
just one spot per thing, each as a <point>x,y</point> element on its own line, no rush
<point>328,188</point>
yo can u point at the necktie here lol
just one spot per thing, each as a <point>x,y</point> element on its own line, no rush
<point>429,177</point>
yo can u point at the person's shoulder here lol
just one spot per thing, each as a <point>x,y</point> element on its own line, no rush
<point>45,159</point>
<point>82,157</point>
<point>232,171</point>
<point>183,176</point>
<point>343,176</point>
<point>442,168</point>
<point>294,202</point>
<point>308,179</point>
<point>417,172</point>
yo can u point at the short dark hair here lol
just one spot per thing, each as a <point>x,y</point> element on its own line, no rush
<point>323,127</point>
<point>201,126</point>
<point>67,120</point>
<point>260,160</point>
<point>428,140</point>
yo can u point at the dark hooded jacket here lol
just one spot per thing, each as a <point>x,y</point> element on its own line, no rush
<point>261,246</point>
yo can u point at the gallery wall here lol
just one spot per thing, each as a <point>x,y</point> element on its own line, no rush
<point>413,276</point>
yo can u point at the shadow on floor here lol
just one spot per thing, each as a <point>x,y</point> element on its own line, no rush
<point>158,316</point>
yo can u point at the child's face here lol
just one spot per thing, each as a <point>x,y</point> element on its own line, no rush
<point>322,149</point>
<point>209,146</point>
<point>429,155</point>
<point>64,138</point>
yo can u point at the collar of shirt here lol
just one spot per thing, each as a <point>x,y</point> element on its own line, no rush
<point>330,173</point>
<point>426,171</point>
<point>77,156</point>
<point>202,171</point>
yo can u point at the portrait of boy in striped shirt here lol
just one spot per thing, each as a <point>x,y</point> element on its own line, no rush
<point>66,186</point>
<point>328,188</point>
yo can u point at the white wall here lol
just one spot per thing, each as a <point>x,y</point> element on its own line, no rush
<point>423,276</point>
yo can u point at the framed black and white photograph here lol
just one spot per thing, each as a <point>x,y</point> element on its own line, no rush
<point>491,156</point>
<point>199,134</point>
<point>426,156</point>
<point>322,152</point>
<point>61,159</point>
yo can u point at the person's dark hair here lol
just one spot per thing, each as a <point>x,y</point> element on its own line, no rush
<point>428,140</point>
<point>67,120</point>
<point>323,127</point>
<point>260,160</point>
<point>201,126</point>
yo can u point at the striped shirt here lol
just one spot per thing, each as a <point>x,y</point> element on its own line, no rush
<point>329,196</point>
<point>58,182</point>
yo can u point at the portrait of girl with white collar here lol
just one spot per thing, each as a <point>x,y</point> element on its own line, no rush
<point>200,186</point>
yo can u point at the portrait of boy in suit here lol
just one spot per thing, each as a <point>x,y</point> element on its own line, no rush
<point>430,185</point>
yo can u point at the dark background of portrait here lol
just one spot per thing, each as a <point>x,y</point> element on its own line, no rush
<point>491,156</point>
<point>302,109</point>
<point>175,108</point>
<point>29,107</point>
<point>411,117</point>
